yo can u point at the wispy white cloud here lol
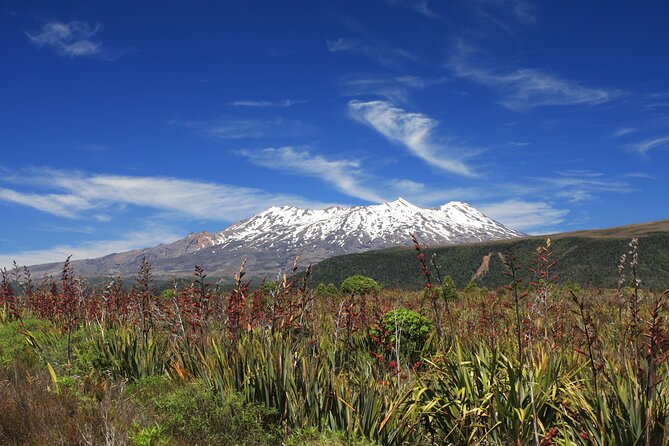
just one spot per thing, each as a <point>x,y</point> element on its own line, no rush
<point>420,6</point>
<point>407,187</point>
<point>622,131</point>
<point>525,88</point>
<point>72,39</point>
<point>505,14</point>
<point>341,44</point>
<point>267,104</point>
<point>526,216</point>
<point>68,39</point>
<point>572,186</point>
<point>345,175</point>
<point>395,89</point>
<point>415,131</point>
<point>569,188</point>
<point>62,205</point>
<point>79,195</point>
<point>150,236</point>
<point>247,128</point>
<point>642,175</point>
<point>349,177</point>
<point>580,173</point>
<point>576,189</point>
<point>649,144</point>
<point>524,11</point>
<point>386,56</point>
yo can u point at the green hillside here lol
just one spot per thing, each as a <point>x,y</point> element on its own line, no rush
<point>589,258</point>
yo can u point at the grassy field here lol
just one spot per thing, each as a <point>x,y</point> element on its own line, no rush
<point>536,361</point>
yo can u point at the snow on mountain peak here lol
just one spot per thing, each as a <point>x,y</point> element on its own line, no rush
<point>338,230</point>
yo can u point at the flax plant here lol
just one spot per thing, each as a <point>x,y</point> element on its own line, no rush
<point>350,363</point>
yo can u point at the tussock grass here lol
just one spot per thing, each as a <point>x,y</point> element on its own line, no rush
<point>533,363</point>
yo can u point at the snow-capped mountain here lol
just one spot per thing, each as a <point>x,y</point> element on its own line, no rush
<point>271,239</point>
<point>358,228</point>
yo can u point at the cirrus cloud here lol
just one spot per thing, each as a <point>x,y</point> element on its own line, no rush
<point>345,175</point>
<point>415,131</point>
<point>653,143</point>
<point>536,217</point>
<point>78,195</point>
<point>72,39</point>
<point>525,88</point>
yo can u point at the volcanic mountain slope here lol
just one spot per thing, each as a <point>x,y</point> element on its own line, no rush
<point>587,257</point>
<point>271,239</point>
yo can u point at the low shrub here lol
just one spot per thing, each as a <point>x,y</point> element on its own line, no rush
<point>360,285</point>
<point>413,330</point>
<point>193,414</point>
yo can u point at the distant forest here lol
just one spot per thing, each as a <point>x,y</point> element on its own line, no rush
<point>587,261</point>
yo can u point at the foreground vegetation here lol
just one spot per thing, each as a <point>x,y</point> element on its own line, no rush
<point>532,362</point>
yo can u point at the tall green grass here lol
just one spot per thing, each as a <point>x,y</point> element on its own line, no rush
<point>531,364</point>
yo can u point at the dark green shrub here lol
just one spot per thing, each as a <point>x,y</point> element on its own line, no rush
<point>412,326</point>
<point>330,290</point>
<point>471,287</point>
<point>449,290</point>
<point>413,329</point>
<point>360,285</point>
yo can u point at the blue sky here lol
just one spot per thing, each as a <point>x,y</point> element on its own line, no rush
<point>126,124</point>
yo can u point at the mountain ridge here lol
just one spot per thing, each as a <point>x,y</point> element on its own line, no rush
<point>271,239</point>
